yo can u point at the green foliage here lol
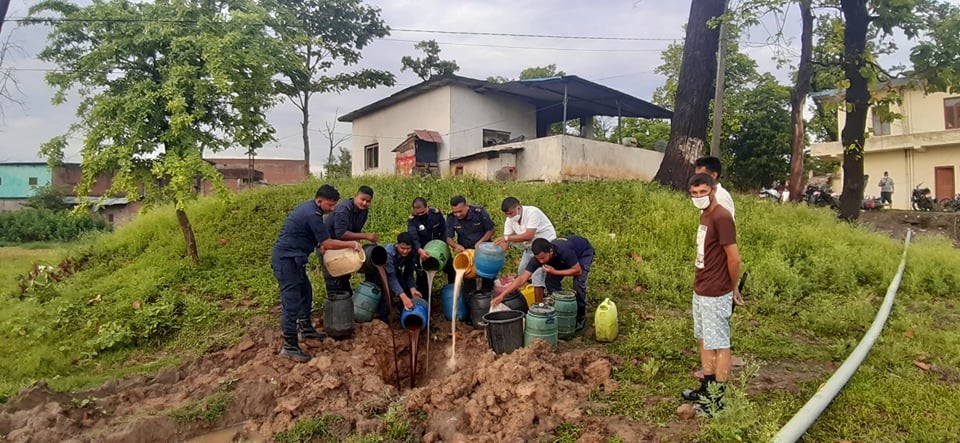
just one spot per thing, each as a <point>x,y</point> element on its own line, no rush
<point>431,65</point>
<point>208,410</point>
<point>317,429</point>
<point>567,433</point>
<point>42,225</point>
<point>531,73</point>
<point>936,59</point>
<point>341,168</point>
<point>48,197</point>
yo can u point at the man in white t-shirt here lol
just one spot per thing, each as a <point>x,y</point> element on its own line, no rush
<point>711,165</point>
<point>523,224</point>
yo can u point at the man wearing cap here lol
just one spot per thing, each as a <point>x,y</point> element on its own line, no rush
<point>302,233</point>
<point>522,225</point>
<point>346,223</point>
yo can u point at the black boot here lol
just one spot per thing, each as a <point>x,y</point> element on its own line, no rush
<point>711,403</point>
<point>305,330</point>
<point>291,349</point>
<point>701,392</point>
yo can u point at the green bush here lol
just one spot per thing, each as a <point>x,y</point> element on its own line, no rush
<point>41,225</point>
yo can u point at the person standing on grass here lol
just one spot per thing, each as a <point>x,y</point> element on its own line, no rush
<point>302,233</point>
<point>570,256</point>
<point>522,225</point>
<point>886,189</point>
<point>425,225</point>
<point>715,291</point>
<point>712,166</point>
<point>346,223</point>
<point>471,225</point>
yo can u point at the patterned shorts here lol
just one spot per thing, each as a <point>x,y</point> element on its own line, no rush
<point>711,320</point>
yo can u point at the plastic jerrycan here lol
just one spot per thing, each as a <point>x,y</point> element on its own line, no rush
<point>605,321</point>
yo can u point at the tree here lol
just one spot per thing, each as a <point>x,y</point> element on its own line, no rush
<point>541,72</point>
<point>9,85</point>
<point>342,167</point>
<point>757,150</point>
<point>798,100</point>
<point>688,128</point>
<point>430,66</point>
<point>324,34</point>
<point>334,140</point>
<point>198,76</point>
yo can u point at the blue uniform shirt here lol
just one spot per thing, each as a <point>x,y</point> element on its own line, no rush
<point>426,227</point>
<point>569,251</point>
<point>302,232</point>
<point>346,217</point>
<point>400,269</point>
<point>472,228</point>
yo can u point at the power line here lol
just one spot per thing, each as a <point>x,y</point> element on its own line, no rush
<point>535,48</point>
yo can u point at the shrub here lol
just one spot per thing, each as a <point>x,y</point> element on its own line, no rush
<point>41,224</point>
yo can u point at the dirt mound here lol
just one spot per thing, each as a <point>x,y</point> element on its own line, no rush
<point>250,393</point>
<point>515,397</point>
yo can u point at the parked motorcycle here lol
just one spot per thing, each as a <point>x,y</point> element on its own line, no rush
<point>921,199</point>
<point>769,194</point>
<point>821,196</point>
<point>872,204</point>
<point>951,204</point>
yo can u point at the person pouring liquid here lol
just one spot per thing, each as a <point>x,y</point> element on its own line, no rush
<point>522,225</point>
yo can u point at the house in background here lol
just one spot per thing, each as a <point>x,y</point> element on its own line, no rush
<point>244,173</point>
<point>920,149</point>
<point>461,126</point>
<point>18,181</point>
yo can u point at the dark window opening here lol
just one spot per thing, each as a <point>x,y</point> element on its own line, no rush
<point>32,181</point>
<point>951,113</point>
<point>493,137</point>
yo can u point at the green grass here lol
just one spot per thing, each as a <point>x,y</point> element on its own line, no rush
<point>815,285</point>
<point>17,260</point>
<point>208,410</point>
<point>319,429</point>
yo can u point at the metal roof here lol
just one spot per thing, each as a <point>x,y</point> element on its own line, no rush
<point>584,98</point>
<point>422,134</point>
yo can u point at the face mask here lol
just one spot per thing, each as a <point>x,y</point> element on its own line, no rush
<point>515,218</point>
<point>701,202</point>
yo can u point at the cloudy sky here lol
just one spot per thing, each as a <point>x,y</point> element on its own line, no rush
<point>626,65</point>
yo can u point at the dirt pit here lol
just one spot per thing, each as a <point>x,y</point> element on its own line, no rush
<point>249,393</point>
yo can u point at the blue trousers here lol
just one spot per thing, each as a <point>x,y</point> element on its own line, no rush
<point>553,284</point>
<point>296,293</point>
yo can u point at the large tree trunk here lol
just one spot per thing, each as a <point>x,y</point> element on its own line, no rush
<point>188,236</point>
<point>691,114</point>
<point>858,100</point>
<point>798,100</point>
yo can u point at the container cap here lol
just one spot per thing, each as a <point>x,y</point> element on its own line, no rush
<point>542,310</point>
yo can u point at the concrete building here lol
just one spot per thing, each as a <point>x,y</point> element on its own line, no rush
<point>243,173</point>
<point>462,126</point>
<point>920,149</point>
<point>18,181</point>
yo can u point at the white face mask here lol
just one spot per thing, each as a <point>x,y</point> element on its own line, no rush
<point>516,218</point>
<point>701,202</point>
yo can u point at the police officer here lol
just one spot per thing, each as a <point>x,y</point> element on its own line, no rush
<point>471,225</point>
<point>400,270</point>
<point>346,223</point>
<point>302,232</point>
<point>424,225</point>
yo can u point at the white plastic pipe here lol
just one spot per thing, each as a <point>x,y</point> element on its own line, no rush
<point>798,425</point>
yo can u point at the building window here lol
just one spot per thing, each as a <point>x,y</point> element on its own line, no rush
<point>32,181</point>
<point>1,180</point>
<point>951,112</point>
<point>371,156</point>
<point>110,218</point>
<point>493,137</point>
<point>880,127</point>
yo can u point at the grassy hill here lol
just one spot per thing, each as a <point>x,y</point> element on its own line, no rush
<point>129,302</point>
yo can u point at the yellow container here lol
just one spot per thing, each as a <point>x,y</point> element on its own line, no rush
<point>464,260</point>
<point>340,262</point>
<point>605,321</point>
<point>528,294</point>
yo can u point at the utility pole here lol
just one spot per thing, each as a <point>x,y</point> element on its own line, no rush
<point>718,89</point>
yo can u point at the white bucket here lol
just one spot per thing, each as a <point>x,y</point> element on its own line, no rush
<point>340,262</point>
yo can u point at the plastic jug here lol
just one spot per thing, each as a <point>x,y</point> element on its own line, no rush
<point>488,260</point>
<point>605,321</point>
<point>464,260</point>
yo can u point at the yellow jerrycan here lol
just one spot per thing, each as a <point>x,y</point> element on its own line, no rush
<point>605,321</point>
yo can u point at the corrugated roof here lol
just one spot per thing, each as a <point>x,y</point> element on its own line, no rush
<point>428,136</point>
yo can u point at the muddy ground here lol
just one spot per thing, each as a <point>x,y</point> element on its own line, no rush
<point>896,223</point>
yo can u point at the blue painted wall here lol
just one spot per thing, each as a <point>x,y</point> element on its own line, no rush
<point>15,179</point>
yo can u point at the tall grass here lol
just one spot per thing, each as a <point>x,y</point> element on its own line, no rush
<point>814,287</point>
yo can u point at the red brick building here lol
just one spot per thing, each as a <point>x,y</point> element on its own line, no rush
<point>241,173</point>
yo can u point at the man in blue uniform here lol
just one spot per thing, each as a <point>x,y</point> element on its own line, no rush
<point>471,225</point>
<point>400,268</point>
<point>564,257</point>
<point>424,225</point>
<point>346,223</point>
<point>302,232</point>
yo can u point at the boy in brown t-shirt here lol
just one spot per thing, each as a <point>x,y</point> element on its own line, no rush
<point>715,291</point>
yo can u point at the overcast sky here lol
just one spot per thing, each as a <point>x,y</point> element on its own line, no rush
<point>623,65</point>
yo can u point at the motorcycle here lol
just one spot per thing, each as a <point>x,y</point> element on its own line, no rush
<point>769,194</point>
<point>951,204</point>
<point>821,196</point>
<point>921,199</point>
<point>872,204</point>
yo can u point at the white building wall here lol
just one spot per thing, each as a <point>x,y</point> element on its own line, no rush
<point>390,126</point>
<point>472,112</point>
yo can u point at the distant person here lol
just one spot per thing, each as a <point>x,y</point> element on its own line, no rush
<point>712,166</point>
<point>714,291</point>
<point>346,223</point>
<point>522,225</point>
<point>886,189</point>
<point>571,256</point>
<point>401,261</point>
<point>302,233</point>
<point>424,225</point>
<point>471,225</point>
